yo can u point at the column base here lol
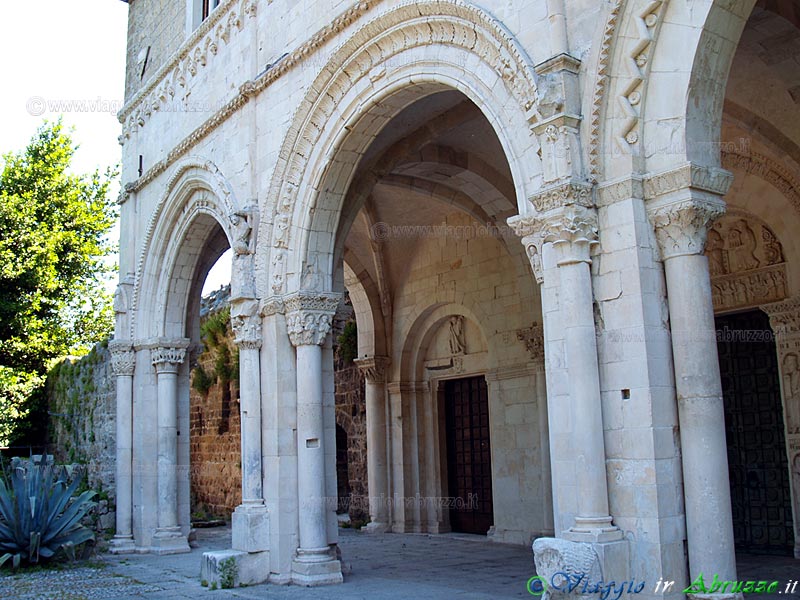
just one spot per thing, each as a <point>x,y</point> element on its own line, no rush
<point>593,530</point>
<point>122,544</point>
<point>376,527</point>
<point>250,528</point>
<point>316,567</point>
<point>169,540</point>
<point>251,568</point>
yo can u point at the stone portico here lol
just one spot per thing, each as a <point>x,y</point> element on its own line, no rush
<point>537,209</point>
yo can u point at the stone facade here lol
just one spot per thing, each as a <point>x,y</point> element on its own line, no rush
<point>527,196</point>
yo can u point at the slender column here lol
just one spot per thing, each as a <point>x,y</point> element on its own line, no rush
<point>167,360</point>
<point>374,370</point>
<point>123,361</point>
<point>309,318</point>
<point>250,520</point>
<point>681,228</point>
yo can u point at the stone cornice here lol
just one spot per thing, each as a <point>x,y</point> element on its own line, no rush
<point>611,192</point>
<point>123,358</point>
<point>374,368</point>
<point>682,227</point>
<point>309,316</point>
<point>713,180</point>
<point>197,51</point>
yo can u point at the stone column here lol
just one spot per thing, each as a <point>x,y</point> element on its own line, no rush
<point>573,231</point>
<point>309,318</point>
<point>167,360</point>
<point>250,522</point>
<point>123,361</point>
<point>681,220</point>
<point>785,320</point>
<point>374,370</point>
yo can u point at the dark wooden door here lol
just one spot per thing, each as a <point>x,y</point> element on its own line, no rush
<point>757,462</point>
<point>469,461</point>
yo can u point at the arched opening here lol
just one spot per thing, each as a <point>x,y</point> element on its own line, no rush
<point>440,289</point>
<point>753,261</point>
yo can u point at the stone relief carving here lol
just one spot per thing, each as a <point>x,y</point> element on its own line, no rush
<point>123,358</point>
<point>167,359</point>
<point>682,227</point>
<point>456,341</point>
<point>309,316</point>
<point>745,261</point>
<point>790,371</point>
<point>563,195</point>
<point>242,222</point>
<point>246,324</point>
<point>533,338</point>
<point>557,558</point>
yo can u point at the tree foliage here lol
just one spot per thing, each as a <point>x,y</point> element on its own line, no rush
<point>53,246</point>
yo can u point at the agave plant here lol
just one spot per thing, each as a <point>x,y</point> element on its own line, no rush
<point>39,515</point>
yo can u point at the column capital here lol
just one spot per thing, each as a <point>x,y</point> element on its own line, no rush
<point>374,368</point>
<point>573,232</point>
<point>168,356</point>
<point>309,316</point>
<point>682,227</point>
<point>246,323</point>
<point>274,305</point>
<point>123,357</point>
<point>784,316</point>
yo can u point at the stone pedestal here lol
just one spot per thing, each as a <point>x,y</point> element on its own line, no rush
<point>234,568</point>
<point>250,529</point>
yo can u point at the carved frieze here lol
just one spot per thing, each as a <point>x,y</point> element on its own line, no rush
<point>568,194</point>
<point>746,263</point>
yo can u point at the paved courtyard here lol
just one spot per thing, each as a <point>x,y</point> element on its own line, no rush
<point>376,567</point>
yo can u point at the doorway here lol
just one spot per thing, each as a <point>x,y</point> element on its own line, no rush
<point>469,462</point>
<point>757,462</point>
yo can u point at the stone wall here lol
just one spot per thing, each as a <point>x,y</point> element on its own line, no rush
<point>82,406</point>
<point>351,416</point>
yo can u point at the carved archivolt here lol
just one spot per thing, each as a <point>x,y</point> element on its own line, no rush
<point>637,59</point>
<point>746,263</point>
<point>768,170</point>
<point>412,24</point>
<point>210,194</point>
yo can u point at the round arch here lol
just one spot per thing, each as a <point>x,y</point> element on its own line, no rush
<point>195,210</point>
<point>403,55</point>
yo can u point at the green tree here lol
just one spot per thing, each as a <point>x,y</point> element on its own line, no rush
<point>53,268</point>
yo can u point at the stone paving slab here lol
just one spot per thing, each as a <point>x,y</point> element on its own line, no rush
<point>377,568</point>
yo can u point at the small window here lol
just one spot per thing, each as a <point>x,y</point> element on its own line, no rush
<point>208,6</point>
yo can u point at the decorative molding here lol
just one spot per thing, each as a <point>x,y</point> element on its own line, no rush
<point>123,358</point>
<point>309,316</point>
<point>374,368</point>
<point>273,305</point>
<point>511,372</point>
<point>411,24</point>
<point>600,87</point>
<point>688,176</point>
<point>609,193</point>
<point>566,194</point>
<point>744,290</point>
<point>682,227</point>
<point>533,338</point>
<point>198,51</point>
<point>647,24</point>
<point>767,169</point>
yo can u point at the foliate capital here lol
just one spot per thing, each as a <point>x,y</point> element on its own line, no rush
<point>123,358</point>
<point>374,368</point>
<point>246,324</point>
<point>573,232</point>
<point>682,227</point>
<point>167,358</point>
<point>309,316</point>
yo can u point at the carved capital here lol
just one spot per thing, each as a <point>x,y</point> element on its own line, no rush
<point>309,316</point>
<point>529,229</point>
<point>123,358</point>
<point>682,227</point>
<point>169,357</point>
<point>567,194</point>
<point>246,324</point>
<point>784,317</point>
<point>573,232</point>
<point>374,368</point>
<point>273,305</point>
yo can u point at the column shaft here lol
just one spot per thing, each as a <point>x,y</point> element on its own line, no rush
<point>124,473</point>
<point>250,404</point>
<point>709,524</point>
<point>377,467</point>
<point>310,450</point>
<point>167,449</point>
